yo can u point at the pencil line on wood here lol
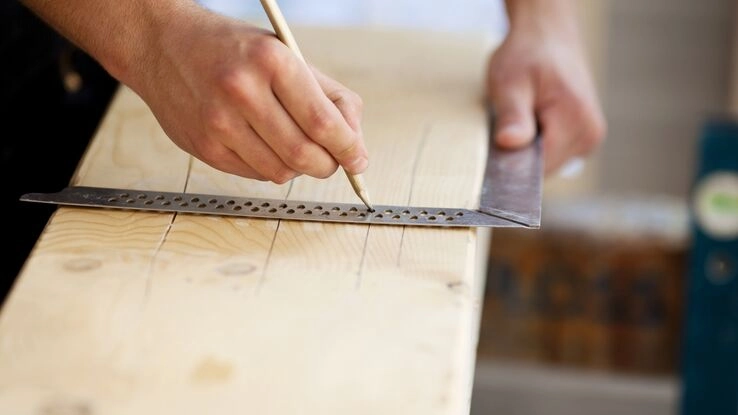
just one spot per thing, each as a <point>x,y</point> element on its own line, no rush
<point>360,271</point>
<point>160,244</point>
<point>262,279</point>
<point>154,257</point>
<point>413,173</point>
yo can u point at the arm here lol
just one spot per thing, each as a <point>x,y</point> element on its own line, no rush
<point>539,74</point>
<point>229,93</point>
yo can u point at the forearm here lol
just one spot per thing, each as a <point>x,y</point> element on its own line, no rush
<point>118,34</point>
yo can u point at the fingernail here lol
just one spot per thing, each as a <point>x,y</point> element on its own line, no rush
<point>511,135</point>
<point>357,165</point>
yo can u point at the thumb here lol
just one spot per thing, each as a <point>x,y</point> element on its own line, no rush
<point>515,124</point>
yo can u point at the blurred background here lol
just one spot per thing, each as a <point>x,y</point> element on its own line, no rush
<point>588,314</point>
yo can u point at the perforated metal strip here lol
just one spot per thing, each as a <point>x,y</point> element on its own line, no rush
<point>266,208</point>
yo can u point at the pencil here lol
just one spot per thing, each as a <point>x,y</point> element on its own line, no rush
<point>285,35</point>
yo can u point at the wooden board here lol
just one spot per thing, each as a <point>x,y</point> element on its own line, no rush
<point>151,313</point>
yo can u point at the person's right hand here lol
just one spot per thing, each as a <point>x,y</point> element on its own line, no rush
<point>238,99</point>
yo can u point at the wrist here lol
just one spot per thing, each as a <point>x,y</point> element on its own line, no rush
<point>133,52</point>
<point>543,18</point>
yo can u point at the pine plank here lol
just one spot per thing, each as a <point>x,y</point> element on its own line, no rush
<point>150,313</point>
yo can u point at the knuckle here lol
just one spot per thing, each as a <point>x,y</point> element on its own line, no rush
<point>326,170</point>
<point>210,151</point>
<point>237,84</point>
<point>281,175</point>
<point>354,101</point>
<point>231,80</point>
<point>216,120</point>
<point>299,157</point>
<point>266,54</point>
<point>321,123</point>
<point>350,98</point>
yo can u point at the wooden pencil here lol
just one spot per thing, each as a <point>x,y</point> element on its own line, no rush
<point>285,35</point>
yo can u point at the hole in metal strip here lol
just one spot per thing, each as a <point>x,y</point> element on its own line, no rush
<point>213,201</point>
<point>273,210</point>
<point>441,213</point>
<point>195,199</point>
<point>255,209</point>
<point>326,213</point>
<point>405,212</point>
<point>166,203</point>
<point>362,215</point>
<point>431,218</point>
<point>184,204</point>
<point>177,198</point>
<point>396,217</point>
<point>378,216</point>
<point>343,214</point>
<point>124,195</point>
<point>318,207</point>
<point>353,209</point>
<point>220,206</point>
<point>308,212</point>
<point>423,212</point>
<point>413,217</point>
<point>459,214</point>
<point>202,205</point>
<point>336,208</point>
<point>265,204</point>
<point>450,218</point>
<point>141,196</point>
<point>112,200</point>
<point>236,208</point>
<point>388,212</point>
<point>149,202</point>
<point>248,203</point>
<point>130,201</point>
<point>231,202</point>
<point>159,197</point>
<point>290,211</point>
<point>283,206</point>
<point>299,207</point>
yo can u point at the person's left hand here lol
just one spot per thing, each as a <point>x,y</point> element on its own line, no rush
<point>538,78</point>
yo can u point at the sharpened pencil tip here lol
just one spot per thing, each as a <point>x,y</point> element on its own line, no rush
<point>364,196</point>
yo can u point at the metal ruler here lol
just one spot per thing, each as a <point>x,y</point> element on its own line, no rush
<point>511,197</point>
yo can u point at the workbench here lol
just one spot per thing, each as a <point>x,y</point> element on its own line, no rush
<point>128,312</point>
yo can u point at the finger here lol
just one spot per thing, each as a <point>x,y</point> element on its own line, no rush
<point>572,127</point>
<point>253,150</point>
<point>274,127</point>
<point>348,103</point>
<point>513,103</point>
<point>559,137</point>
<point>320,119</point>
<point>227,160</point>
<point>279,131</point>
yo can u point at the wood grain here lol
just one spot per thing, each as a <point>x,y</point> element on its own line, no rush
<point>148,313</point>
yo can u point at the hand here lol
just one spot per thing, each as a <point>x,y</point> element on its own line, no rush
<point>238,99</point>
<point>539,75</point>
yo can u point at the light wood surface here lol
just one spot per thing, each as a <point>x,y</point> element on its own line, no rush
<point>151,313</point>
